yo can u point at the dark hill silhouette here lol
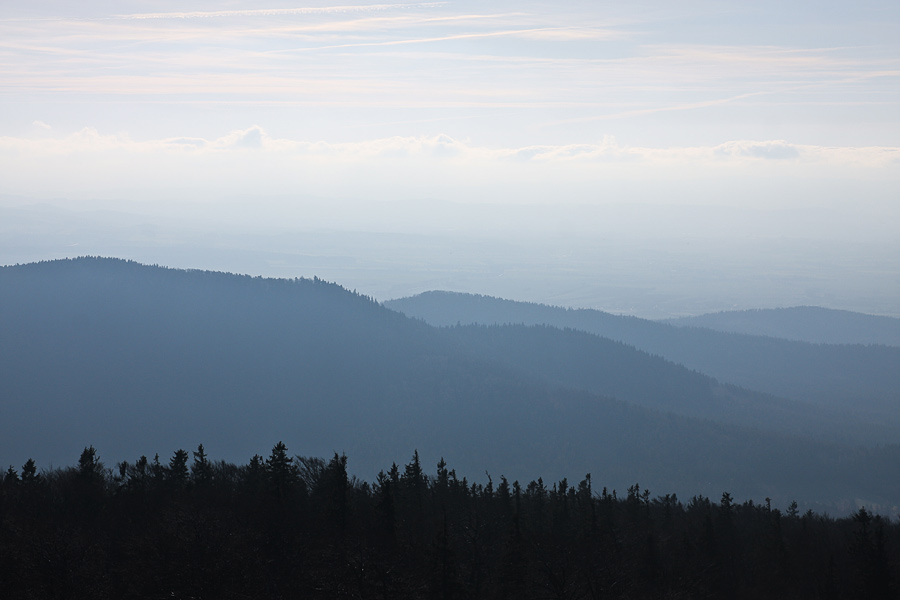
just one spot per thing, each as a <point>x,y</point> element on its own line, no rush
<point>803,324</point>
<point>859,380</point>
<point>130,357</point>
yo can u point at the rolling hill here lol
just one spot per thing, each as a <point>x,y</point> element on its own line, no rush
<point>803,324</point>
<point>857,380</point>
<point>137,359</point>
<point>578,360</point>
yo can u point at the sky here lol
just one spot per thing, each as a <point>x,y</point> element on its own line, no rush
<point>648,119</point>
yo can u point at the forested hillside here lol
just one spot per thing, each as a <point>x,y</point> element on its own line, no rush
<point>802,323</point>
<point>579,360</point>
<point>858,379</point>
<point>127,357</point>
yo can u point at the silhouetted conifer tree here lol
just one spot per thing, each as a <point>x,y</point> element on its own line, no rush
<point>11,477</point>
<point>29,472</point>
<point>337,487</point>
<point>201,470</point>
<point>280,470</point>
<point>177,473</point>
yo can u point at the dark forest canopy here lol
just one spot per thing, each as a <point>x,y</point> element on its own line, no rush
<point>128,356</point>
<point>284,526</point>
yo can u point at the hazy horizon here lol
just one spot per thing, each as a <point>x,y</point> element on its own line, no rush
<point>642,159</point>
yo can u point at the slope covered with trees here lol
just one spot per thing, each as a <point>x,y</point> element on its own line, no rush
<point>583,361</point>
<point>802,323</point>
<point>859,380</point>
<point>127,356</point>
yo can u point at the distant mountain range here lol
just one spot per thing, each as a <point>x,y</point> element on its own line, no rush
<point>139,359</point>
<point>802,323</point>
<point>579,360</point>
<point>861,381</point>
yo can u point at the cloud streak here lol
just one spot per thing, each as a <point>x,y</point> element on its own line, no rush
<point>497,59</point>
<point>280,12</point>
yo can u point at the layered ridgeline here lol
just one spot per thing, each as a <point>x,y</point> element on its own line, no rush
<point>128,357</point>
<point>579,360</point>
<point>861,383</point>
<point>802,323</point>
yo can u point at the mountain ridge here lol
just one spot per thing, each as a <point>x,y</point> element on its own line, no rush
<point>813,324</point>
<point>128,357</point>
<point>861,379</point>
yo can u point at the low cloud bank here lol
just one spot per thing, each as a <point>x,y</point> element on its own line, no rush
<point>89,164</point>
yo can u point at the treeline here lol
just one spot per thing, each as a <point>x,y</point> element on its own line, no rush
<point>290,526</point>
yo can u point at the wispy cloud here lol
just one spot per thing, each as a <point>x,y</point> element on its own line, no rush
<point>529,57</point>
<point>278,12</point>
<point>526,33</point>
<point>776,149</point>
